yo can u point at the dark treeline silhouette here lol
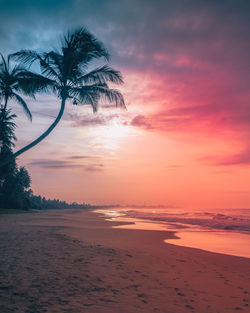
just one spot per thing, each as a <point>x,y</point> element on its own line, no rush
<point>41,203</point>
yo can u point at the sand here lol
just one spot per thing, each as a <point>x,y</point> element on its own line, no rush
<point>74,261</point>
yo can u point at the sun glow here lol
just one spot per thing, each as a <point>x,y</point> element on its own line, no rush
<point>109,136</point>
<point>116,129</point>
<point>114,134</point>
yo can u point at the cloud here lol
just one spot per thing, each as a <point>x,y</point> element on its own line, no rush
<point>91,121</point>
<point>59,164</point>
<point>80,157</point>
<point>174,166</point>
<point>140,121</point>
<point>163,121</point>
<point>54,164</point>
<point>193,54</point>
<point>86,120</point>
<point>94,167</point>
<point>242,158</point>
<point>189,32</point>
<point>208,118</point>
<point>199,50</point>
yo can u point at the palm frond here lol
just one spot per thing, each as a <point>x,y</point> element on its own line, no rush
<point>30,83</point>
<point>101,75</point>
<point>94,93</point>
<point>21,101</point>
<point>18,68</point>
<point>27,57</point>
<point>114,96</point>
<point>7,129</point>
<point>85,44</point>
<point>52,65</point>
<point>81,96</point>
<point>4,63</point>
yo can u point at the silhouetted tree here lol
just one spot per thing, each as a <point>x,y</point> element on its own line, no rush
<point>16,80</point>
<point>7,138</point>
<point>14,181</point>
<point>66,71</point>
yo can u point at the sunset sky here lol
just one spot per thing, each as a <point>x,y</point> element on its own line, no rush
<point>185,137</point>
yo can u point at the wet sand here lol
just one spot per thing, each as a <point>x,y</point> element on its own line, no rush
<point>74,261</point>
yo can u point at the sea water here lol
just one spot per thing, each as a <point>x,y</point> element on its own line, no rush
<point>224,231</point>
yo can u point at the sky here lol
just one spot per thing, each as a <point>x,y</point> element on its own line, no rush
<point>184,140</point>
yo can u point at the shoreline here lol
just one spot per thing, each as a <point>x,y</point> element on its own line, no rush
<point>228,242</point>
<point>74,261</point>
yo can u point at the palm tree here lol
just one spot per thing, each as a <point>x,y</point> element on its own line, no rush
<point>14,181</point>
<point>16,80</point>
<point>66,71</point>
<point>7,138</point>
<point>7,131</point>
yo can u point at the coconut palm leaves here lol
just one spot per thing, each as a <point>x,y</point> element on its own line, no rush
<point>18,80</point>
<point>14,180</point>
<point>66,73</point>
<point>67,70</point>
<point>7,131</point>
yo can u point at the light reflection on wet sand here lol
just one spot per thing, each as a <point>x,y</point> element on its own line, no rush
<point>225,242</point>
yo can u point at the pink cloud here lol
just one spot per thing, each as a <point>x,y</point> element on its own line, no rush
<point>242,158</point>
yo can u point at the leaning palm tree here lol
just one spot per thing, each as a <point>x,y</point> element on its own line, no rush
<point>69,78</point>
<point>17,80</point>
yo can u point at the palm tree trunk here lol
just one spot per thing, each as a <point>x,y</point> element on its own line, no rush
<point>39,139</point>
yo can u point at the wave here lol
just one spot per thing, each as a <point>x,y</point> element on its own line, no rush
<point>238,221</point>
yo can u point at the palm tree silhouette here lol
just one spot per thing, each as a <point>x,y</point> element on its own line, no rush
<point>17,79</point>
<point>66,71</point>
<point>7,138</point>
<point>14,180</point>
<point>7,131</point>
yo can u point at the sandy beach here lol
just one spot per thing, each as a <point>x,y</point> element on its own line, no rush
<point>74,261</point>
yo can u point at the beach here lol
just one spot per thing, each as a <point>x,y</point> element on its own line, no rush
<point>74,261</point>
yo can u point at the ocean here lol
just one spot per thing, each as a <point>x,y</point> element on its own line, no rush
<point>224,231</point>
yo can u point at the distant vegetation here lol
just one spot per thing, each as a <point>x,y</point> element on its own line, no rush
<point>40,203</point>
<point>64,73</point>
